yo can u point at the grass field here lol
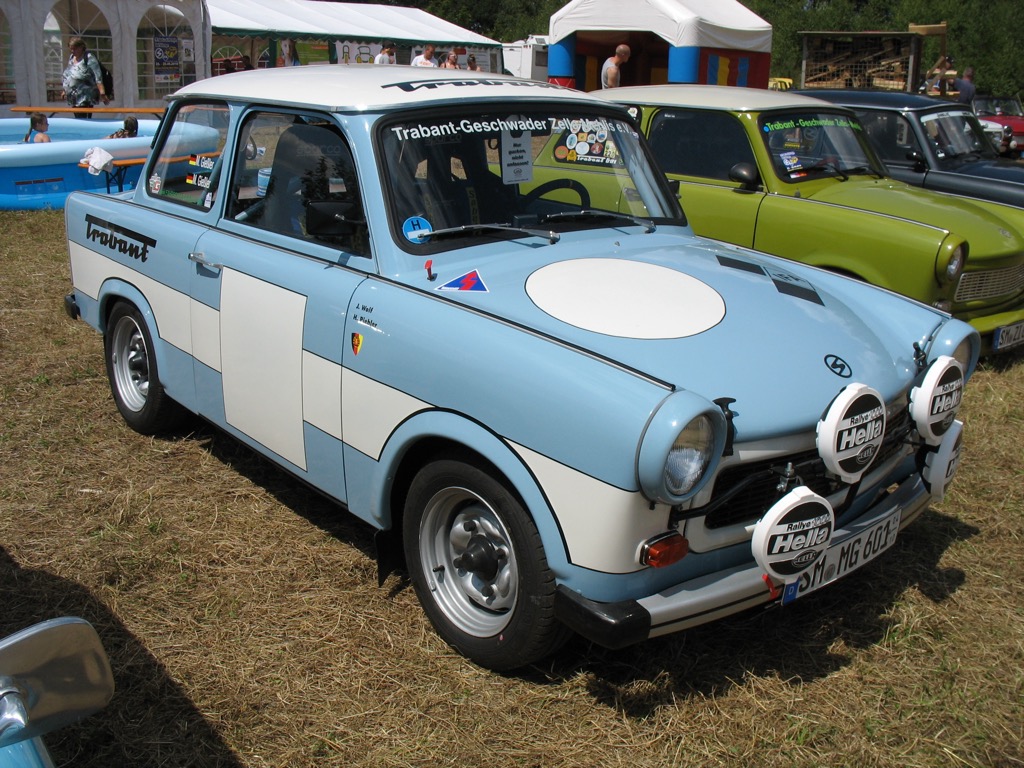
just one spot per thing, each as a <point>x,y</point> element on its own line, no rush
<point>245,626</point>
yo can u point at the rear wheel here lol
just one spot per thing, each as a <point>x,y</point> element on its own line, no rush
<point>134,377</point>
<point>478,566</point>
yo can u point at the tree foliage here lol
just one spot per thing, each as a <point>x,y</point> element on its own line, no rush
<point>983,35</point>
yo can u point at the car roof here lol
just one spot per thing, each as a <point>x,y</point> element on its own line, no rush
<point>365,87</point>
<point>884,99</point>
<point>728,97</point>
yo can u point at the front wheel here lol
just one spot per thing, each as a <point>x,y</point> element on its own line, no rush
<point>478,567</point>
<point>133,374</point>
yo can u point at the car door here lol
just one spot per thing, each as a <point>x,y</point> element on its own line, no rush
<point>271,289</point>
<point>173,208</point>
<point>699,148</point>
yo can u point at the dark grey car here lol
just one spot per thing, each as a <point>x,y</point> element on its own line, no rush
<point>933,143</point>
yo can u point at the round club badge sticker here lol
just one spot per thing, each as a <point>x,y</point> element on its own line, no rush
<point>851,432</point>
<point>793,534</point>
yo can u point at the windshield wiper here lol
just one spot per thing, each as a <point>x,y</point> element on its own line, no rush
<point>468,229</point>
<point>587,213</point>
<point>860,169</point>
<point>828,167</point>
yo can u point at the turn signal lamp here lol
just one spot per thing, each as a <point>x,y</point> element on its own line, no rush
<point>664,550</point>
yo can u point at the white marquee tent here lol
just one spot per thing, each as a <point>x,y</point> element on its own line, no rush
<point>342,21</point>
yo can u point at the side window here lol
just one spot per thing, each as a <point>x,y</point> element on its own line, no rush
<point>188,164</point>
<point>890,134</point>
<point>697,143</point>
<point>295,175</point>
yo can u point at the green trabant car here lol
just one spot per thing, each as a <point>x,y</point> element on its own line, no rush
<point>794,176</point>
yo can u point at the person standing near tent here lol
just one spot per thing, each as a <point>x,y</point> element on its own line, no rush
<point>387,54</point>
<point>610,72</point>
<point>425,59</point>
<point>83,79</point>
<point>451,61</point>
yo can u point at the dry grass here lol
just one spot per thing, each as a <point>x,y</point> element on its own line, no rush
<point>245,626</point>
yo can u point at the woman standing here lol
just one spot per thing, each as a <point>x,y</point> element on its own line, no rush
<point>451,61</point>
<point>83,79</point>
<point>37,125</point>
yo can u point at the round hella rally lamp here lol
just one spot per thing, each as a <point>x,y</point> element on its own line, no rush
<point>793,534</point>
<point>933,404</point>
<point>941,464</point>
<point>851,432</point>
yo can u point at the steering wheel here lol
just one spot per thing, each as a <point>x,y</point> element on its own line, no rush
<point>549,186</point>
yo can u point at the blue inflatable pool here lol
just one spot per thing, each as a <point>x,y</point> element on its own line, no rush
<point>36,176</point>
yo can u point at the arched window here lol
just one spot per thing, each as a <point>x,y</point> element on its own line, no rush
<point>164,52</point>
<point>68,19</point>
<point>8,91</point>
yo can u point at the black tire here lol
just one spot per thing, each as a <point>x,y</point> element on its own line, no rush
<point>133,374</point>
<point>478,567</point>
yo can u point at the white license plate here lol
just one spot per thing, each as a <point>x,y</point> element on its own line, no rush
<point>840,559</point>
<point>1008,336</point>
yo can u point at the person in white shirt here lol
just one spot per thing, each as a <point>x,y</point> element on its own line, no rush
<point>610,71</point>
<point>425,59</point>
<point>387,54</point>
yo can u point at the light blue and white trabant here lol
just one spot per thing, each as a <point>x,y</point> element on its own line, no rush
<point>469,309</point>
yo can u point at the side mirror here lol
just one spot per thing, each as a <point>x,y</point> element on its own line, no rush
<point>51,675</point>
<point>673,185</point>
<point>746,174</point>
<point>920,166</point>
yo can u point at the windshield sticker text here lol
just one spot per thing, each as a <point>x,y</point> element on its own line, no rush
<point>810,122</point>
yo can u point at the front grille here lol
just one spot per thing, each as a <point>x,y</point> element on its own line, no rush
<point>750,503</point>
<point>990,284</point>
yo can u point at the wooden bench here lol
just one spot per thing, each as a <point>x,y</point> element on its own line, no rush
<point>51,110</point>
<point>120,168</point>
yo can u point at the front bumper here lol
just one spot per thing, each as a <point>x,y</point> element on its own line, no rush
<point>713,596</point>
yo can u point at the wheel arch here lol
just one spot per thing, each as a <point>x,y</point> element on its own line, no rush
<point>114,290</point>
<point>431,435</point>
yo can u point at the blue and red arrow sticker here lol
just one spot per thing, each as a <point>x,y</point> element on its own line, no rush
<point>470,281</point>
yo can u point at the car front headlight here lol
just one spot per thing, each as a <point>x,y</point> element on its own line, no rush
<point>690,456</point>
<point>950,271</point>
<point>680,448</point>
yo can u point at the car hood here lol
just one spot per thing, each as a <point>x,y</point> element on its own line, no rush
<point>780,338</point>
<point>1017,123</point>
<point>989,233</point>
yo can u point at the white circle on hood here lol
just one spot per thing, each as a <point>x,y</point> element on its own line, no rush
<point>624,298</point>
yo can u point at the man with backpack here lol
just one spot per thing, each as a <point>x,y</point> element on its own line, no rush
<point>83,79</point>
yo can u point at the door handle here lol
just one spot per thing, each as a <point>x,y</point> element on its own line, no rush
<point>200,259</point>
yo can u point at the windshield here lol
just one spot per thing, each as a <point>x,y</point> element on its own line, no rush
<point>998,106</point>
<point>955,133</point>
<point>809,145</point>
<point>455,178</point>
